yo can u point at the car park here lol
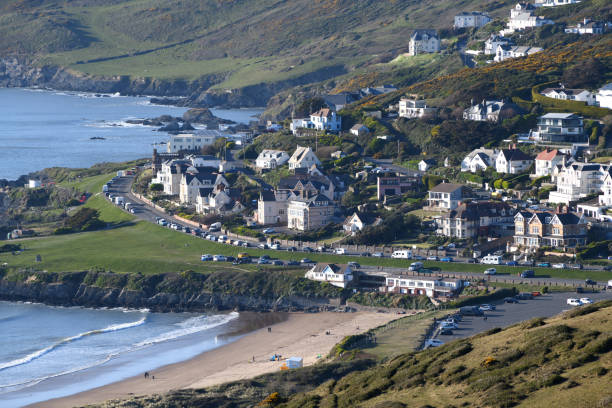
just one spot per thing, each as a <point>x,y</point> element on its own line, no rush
<point>448,325</point>
<point>573,302</point>
<point>470,311</point>
<point>524,296</point>
<point>586,301</point>
<point>490,271</point>
<point>206,257</point>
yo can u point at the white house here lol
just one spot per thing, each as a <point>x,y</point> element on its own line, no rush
<point>606,187</point>
<point>577,180</point>
<point>565,94</point>
<point>426,164</point>
<point>504,52</point>
<point>326,119</point>
<point>522,17</point>
<point>546,161</point>
<point>271,209</point>
<point>359,130</point>
<point>309,212</point>
<point>559,127</point>
<point>195,141</point>
<point>493,42</point>
<point>192,182</point>
<point>479,159</point>
<point>271,159</point>
<point>303,157</point>
<point>424,41</point>
<point>604,96</point>
<point>430,286</point>
<point>587,27</point>
<point>512,161</point>
<point>413,108</point>
<point>297,124</point>
<point>355,223</point>
<point>490,111</point>
<point>447,196</point>
<point>471,19</point>
<point>337,275</point>
<point>169,175</point>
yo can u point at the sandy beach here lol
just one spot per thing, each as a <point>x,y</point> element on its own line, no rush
<point>302,334</point>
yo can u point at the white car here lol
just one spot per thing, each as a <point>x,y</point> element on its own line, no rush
<point>573,302</point>
<point>275,246</point>
<point>219,258</point>
<point>237,243</point>
<point>586,301</point>
<point>268,231</point>
<point>559,266</point>
<point>490,271</point>
<point>432,258</point>
<point>433,343</point>
<point>448,325</point>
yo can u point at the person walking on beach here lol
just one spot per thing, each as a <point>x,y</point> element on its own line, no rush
<point>146,375</point>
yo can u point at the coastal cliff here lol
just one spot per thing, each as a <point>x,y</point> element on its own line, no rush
<point>172,292</point>
<point>24,73</point>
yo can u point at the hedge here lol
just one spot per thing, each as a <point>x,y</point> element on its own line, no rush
<point>567,106</point>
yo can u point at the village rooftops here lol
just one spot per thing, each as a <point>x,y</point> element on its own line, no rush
<point>323,113</point>
<point>339,269</point>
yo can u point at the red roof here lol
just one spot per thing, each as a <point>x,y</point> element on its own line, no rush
<point>547,154</point>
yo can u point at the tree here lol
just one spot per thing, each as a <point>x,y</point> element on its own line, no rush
<point>498,184</point>
<point>505,185</point>
<point>156,187</point>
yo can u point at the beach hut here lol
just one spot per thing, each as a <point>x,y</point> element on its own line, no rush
<point>295,362</point>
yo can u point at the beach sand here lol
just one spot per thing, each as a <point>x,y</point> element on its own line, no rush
<point>302,334</point>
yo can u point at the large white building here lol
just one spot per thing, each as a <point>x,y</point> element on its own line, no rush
<point>479,159</point>
<point>512,161</point>
<point>565,94</point>
<point>586,27</point>
<point>547,160</point>
<point>522,17</point>
<point>193,142</point>
<point>505,52</point>
<point>493,42</point>
<point>577,180</point>
<point>554,3</point>
<point>604,96</point>
<point>413,108</point>
<point>326,119</point>
<point>424,41</point>
<point>271,159</point>
<point>471,19</point>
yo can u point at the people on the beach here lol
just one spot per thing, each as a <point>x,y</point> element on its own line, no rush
<point>269,330</point>
<point>146,375</point>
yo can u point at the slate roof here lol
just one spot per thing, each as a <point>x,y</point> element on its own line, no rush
<point>515,155</point>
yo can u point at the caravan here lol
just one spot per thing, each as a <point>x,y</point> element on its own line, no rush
<point>492,260</point>
<point>402,254</point>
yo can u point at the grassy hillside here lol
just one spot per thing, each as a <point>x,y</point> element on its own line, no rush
<point>563,361</point>
<point>262,40</point>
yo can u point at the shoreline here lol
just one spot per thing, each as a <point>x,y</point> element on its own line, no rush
<point>301,334</point>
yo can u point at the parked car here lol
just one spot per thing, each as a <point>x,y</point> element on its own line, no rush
<point>293,263</point>
<point>446,331</point>
<point>243,255</point>
<point>291,249</point>
<point>486,307</point>
<point>340,251</point>
<point>230,259</point>
<point>432,258</point>
<point>418,257</point>
<point>237,243</point>
<point>245,244</point>
<point>559,266</point>
<point>206,257</point>
<point>470,311</point>
<point>219,258</point>
<point>377,255</point>
<point>268,231</point>
<point>275,246</point>
<point>433,343</point>
<point>527,273</point>
<point>573,302</point>
<point>263,246</point>
<point>544,265</point>
<point>265,257</point>
<point>366,254</point>
<point>524,296</point>
<point>590,282</point>
<point>510,300</point>
<point>307,249</point>
<point>586,301</point>
<point>490,271</point>
<point>512,263</point>
<point>448,325</point>
<point>321,249</point>
<point>263,261</point>
<point>305,261</point>
<point>277,262</point>
<point>446,259</point>
<point>354,265</point>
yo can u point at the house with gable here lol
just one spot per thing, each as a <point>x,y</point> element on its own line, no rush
<point>303,157</point>
<point>271,159</point>
<point>479,159</point>
<point>512,161</point>
<point>359,130</point>
<point>491,111</point>
<point>307,212</point>
<point>494,41</point>
<point>327,120</point>
<point>192,181</point>
<point>426,164</point>
<point>522,16</point>
<point>577,180</point>
<point>424,41</point>
<point>471,19</point>
<point>357,222</point>
<point>547,160</point>
<point>558,230</point>
<point>504,52</point>
<point>337,275</point>
<point>566,94</point>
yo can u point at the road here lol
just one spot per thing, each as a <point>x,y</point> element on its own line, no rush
<point>388,164</point>
<point>122,187</point>
<point>507,314</point>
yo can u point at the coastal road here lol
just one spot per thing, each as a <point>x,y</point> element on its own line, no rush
<point>507,314</point>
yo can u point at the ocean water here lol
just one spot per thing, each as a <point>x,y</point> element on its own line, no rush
<point>40,129</point>
<point>48,352</point>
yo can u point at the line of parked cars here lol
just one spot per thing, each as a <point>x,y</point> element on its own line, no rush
<point>579,302</point>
